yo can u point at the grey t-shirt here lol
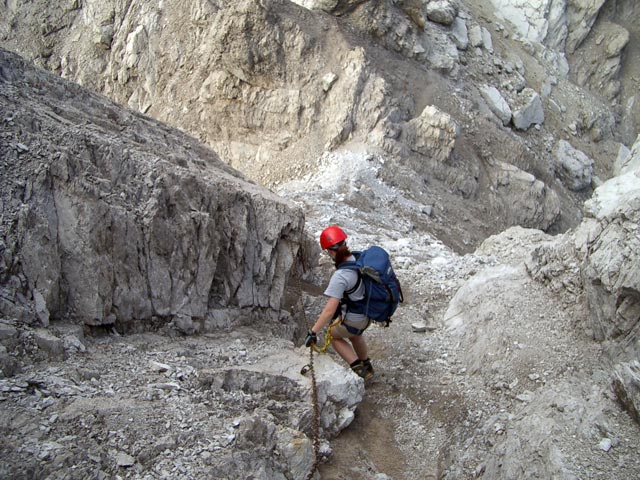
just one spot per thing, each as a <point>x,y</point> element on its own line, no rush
<point>341,281</point>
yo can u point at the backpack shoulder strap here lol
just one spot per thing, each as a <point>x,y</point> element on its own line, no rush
<point>351,265</point>
<point>358,282</point>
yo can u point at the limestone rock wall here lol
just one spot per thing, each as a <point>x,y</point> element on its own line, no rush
<point>234,79</point>
<point>271,85</point>
<point>108,216</point>
<point>599,266</point>
<point>592,36</point>
<point>600,259</point>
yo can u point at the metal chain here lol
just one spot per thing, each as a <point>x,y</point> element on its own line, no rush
<point>314,385</point>
<point>316,417</point>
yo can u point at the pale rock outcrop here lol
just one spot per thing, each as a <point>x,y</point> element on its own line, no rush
<point>475,36</point>
<point>496,102</point>
<point>573,167</point>
<point>124,219</point>
<point>528,442</point>
<point>599,264</point>
<point>624,155</point>
<point>581,16</point>
<point>365,93</point>
<point>598,62</point>
<point>609,241</point>
<point>278,375</point>
<point>432,133</point>
<point>460,33</point>
<point>626,385</point>
<point>628,160</point>
<point>606,247</point>
<point>324,5</point>
<point>536,20</point>
<point>328,6</point>
<point>594,46</point>
<point>523,199</point>
<point>594,272</point>
<point>557,23</point>
<point>527,109</point>
<point>487,40</point>
<point>441,11</point>
<point>340,391</point>
<point>507,326</point>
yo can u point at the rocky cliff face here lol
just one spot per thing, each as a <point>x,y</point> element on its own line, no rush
<point>592,273</point>
<point>592,40</point>
<point>271,85</point>
<point>111,217</point>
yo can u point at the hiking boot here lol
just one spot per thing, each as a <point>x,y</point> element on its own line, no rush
<point>363,371</point>
<point>368,370</point>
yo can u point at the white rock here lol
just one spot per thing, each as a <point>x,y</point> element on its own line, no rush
<point>432,133</point>
<point>125,460</point>
<point>441,11</point>
<point>531,111</point>
<point>475,36</point>
<point>419,327</point>
<point>486,39</point>
<point>41,308</point>
<point>167,386</point>
<point>572,166</point>
<point>605,444</point>
<point>297,450</point>
<point>616,194</point>
<point>324,5</point>
<point>159,367</point>
<point>328,80</point>
<point>49,342</point>
<point>623,156</point>
<point>496,102</point>
<point>460,34</point>
<point>628,160</point>
<point>535,20</point>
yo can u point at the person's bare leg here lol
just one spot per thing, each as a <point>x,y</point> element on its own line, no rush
<point>343,349</point>
<point>360,347</point>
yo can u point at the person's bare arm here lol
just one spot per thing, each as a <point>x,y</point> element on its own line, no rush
<point>326,315</point>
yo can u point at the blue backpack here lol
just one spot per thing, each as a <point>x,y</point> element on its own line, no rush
<point>382,287</point>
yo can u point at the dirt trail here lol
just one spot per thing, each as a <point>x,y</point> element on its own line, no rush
<point>403,426</point>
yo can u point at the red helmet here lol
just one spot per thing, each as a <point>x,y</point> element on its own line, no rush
<point>331,235</point>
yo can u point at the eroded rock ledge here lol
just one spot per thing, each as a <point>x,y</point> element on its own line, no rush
<point>123,219</point>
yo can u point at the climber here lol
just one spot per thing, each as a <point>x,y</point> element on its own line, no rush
<point>344,285</point>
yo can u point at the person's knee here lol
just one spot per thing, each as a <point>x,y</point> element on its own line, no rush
<point>336,339</point>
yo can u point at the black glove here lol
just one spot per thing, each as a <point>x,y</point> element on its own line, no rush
<point>311,339</point>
